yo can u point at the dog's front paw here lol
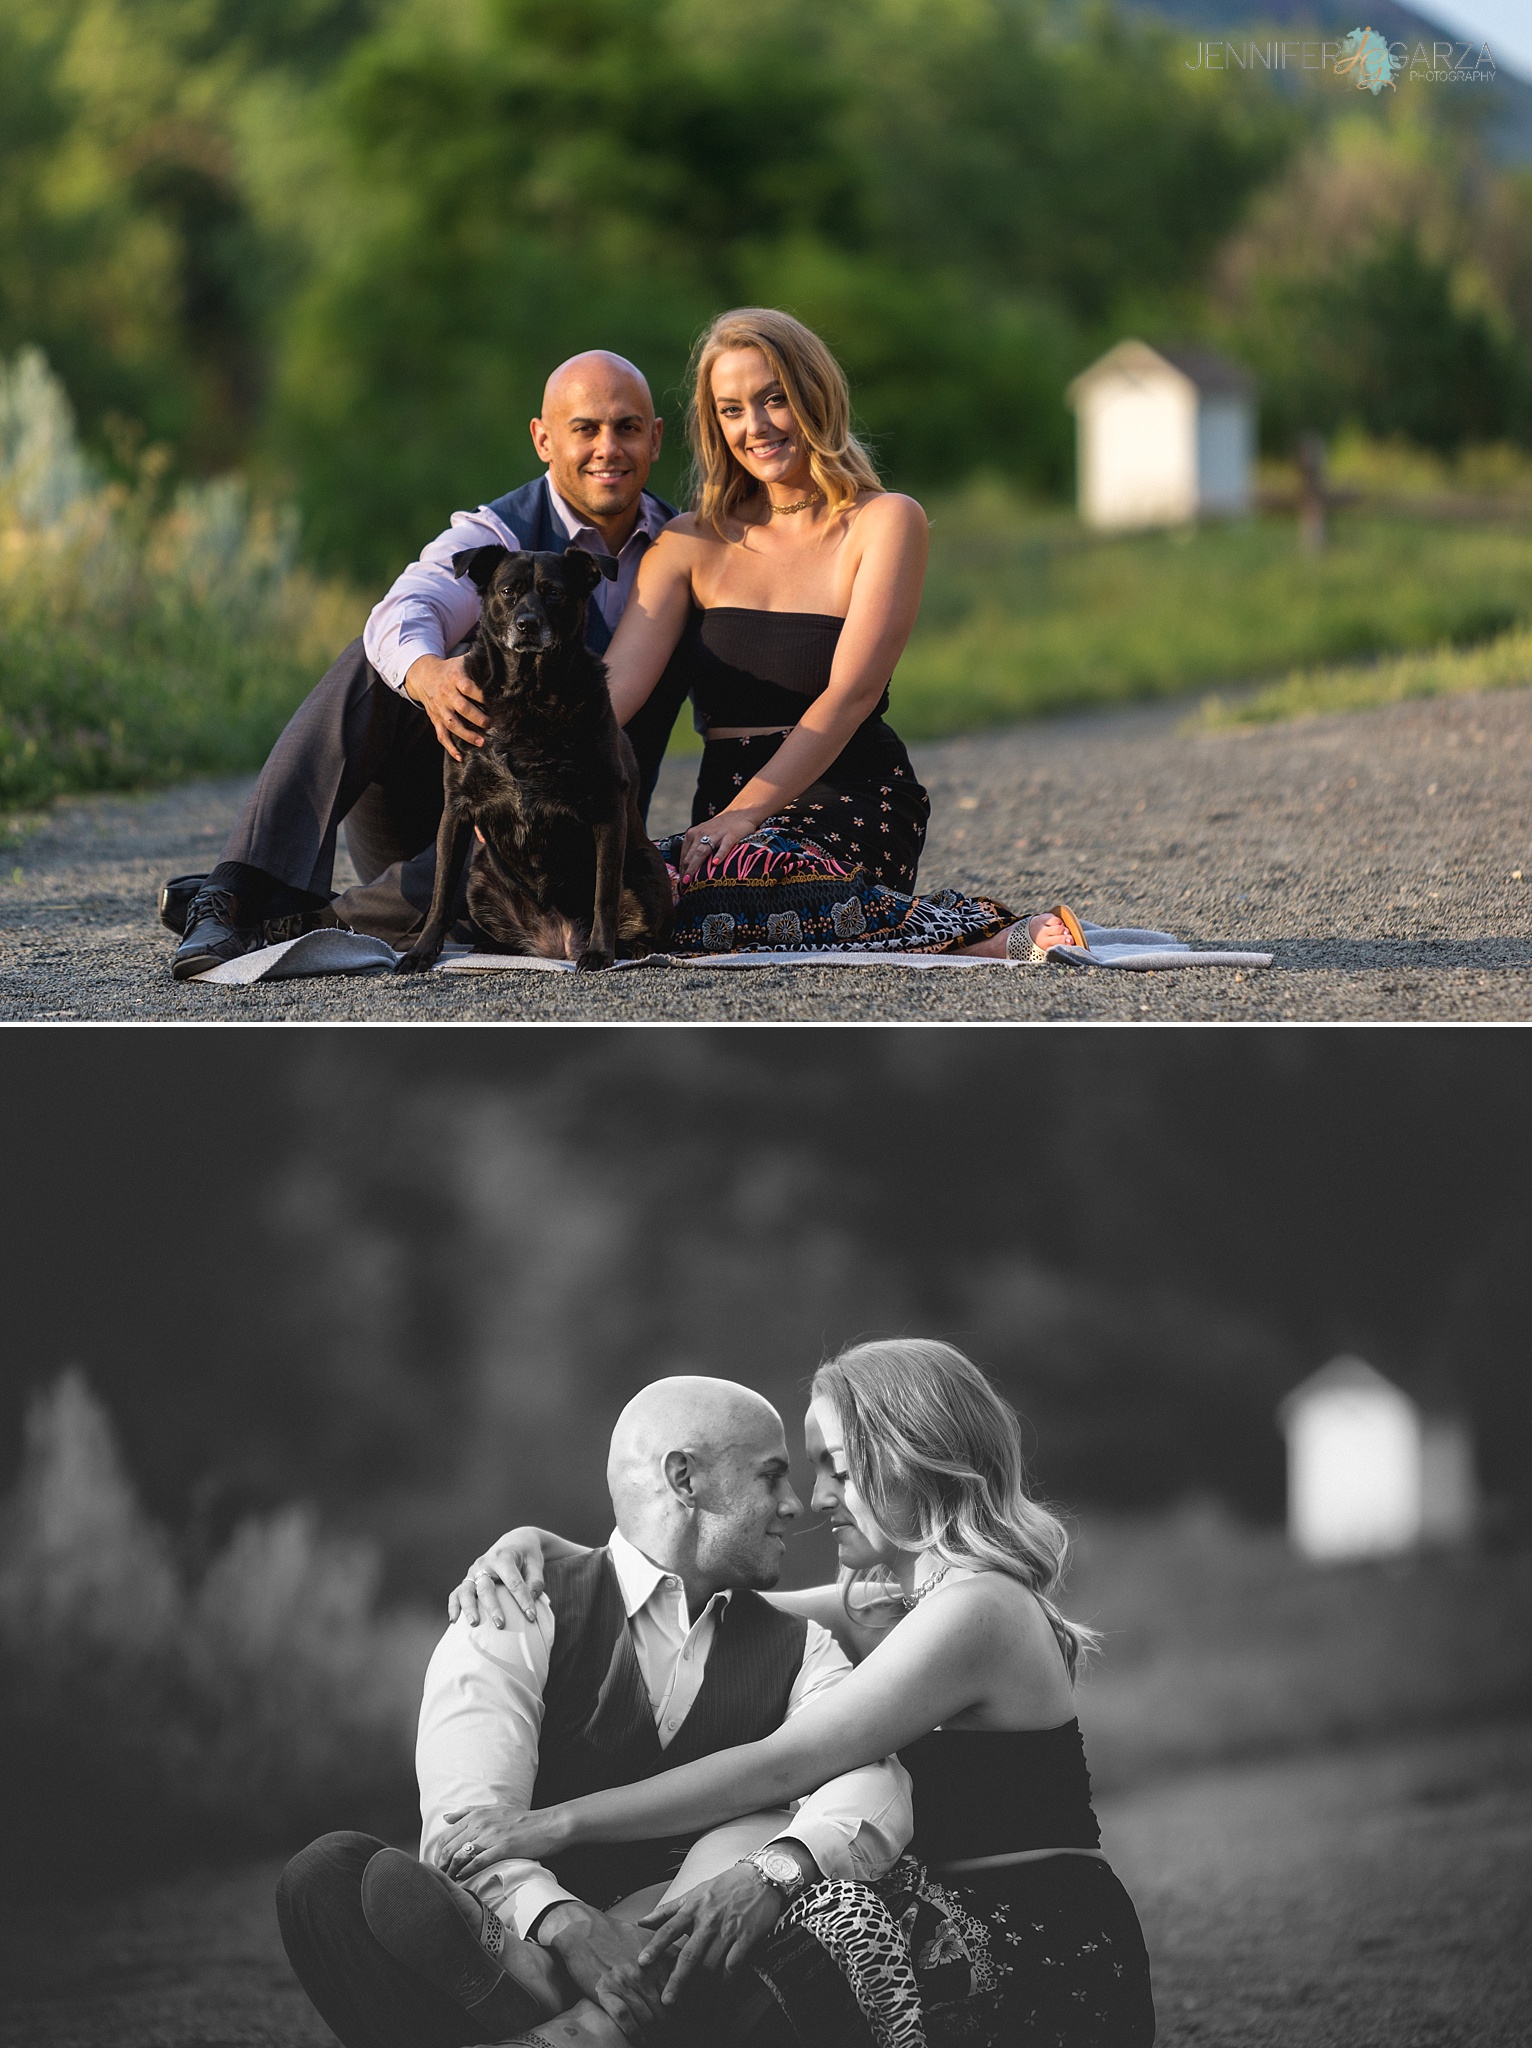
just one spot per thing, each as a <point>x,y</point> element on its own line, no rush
<point>418,960</point>
<point>591,959</point>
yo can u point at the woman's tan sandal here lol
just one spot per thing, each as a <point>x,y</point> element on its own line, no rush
<point>1023,950</point>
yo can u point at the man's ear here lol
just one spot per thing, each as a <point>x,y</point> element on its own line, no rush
<point>681,1477</point>
<point>480,564</point>
<point>594,566</point>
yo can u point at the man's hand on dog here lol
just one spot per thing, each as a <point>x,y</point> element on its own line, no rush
<point>444,693</point>
<point>601,1955</point>
<point>712,839</point>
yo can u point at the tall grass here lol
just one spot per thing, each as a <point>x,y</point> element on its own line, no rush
<point>1502,663</point>
<point>1026,613</point>
<point>142,638</point>
<point>146,1713</point>
<point>1221,1643</point>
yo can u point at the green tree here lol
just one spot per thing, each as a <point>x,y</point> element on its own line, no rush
<point>955,195</point>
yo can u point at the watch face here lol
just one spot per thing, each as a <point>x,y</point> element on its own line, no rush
<point>779,1868</point>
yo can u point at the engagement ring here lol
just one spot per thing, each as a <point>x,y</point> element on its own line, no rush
<point>703,840</point>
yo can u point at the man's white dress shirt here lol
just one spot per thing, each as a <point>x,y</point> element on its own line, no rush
<point>428,610</point>
<point>483,1708</point>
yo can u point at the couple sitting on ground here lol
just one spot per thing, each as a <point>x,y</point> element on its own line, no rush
<point>779,604</point>
<point>658,1805</point>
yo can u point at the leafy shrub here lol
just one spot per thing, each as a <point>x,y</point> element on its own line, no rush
<point>144,1714</point>
<point>140,640</point>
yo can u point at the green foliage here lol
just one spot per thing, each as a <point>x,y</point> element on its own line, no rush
<point>249,1704</point>
<point>952,195</point>
<point>1383,285</point>
<point>345,240</point>
<point>1025,613</point>
<point>142,637</point>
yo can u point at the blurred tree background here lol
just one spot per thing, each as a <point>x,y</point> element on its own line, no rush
<point>339,242</point>
<point>414,1283</point>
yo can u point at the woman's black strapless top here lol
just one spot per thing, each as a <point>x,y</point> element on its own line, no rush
<point>757,668</point>
<point>984,1792</point>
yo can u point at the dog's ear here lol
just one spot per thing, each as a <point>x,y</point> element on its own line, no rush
<point>593,566</point>
<point>480,564</point>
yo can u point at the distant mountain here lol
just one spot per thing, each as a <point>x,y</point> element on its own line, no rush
<point>1507,98</point>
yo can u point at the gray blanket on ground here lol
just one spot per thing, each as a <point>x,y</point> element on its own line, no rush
<point>341,952</point>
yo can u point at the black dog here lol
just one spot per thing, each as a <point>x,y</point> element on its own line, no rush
<point>566,869</point>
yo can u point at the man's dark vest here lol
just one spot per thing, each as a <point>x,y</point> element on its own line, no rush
<point>531,518</point>
<point>598,1726</point>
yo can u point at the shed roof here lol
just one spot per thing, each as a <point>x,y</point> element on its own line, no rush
<point>1202,366</point>
<point>1348,1374</point>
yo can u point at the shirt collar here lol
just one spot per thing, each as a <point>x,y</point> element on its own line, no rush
<point>652,520</point>
<point>639,1577</point>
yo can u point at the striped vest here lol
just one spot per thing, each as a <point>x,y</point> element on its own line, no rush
<point>598,1726</point>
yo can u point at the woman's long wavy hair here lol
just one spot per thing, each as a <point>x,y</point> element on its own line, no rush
<point>936,1454</point>
<point>816,391</point>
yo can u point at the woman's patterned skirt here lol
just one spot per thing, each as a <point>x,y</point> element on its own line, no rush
<point>1042,1954</point>
<point>833,868</point>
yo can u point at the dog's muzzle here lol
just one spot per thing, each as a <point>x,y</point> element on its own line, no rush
<point>530,634</point>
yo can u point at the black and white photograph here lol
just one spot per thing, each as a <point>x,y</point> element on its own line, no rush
<point>952,1538</point>
<point>765,970</point>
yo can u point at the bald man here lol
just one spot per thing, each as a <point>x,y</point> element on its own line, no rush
<point>364,749</point>
<point>643,1654</point>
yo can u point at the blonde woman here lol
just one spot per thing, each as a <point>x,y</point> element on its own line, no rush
<point>787,595</point>
<point>1005,1924</point>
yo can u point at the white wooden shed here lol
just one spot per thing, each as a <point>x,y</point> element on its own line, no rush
<point>1166,435</point>
<point>1370,1473</point>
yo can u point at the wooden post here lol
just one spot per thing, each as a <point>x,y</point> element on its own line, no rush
<point>1312,495</point>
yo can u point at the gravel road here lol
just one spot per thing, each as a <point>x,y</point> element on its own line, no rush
<point>1377,855</point>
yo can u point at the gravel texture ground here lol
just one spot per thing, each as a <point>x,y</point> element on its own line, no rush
<point>1373,1898</point>
<point>1378,855</point>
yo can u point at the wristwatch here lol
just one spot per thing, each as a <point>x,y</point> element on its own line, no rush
<point>778,1867</point>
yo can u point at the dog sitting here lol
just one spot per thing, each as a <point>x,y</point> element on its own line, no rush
<point>565,869</point>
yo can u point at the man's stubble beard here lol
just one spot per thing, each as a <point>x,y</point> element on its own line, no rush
<point>754,1571</point>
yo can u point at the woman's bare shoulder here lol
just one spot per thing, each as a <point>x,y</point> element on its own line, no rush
<point>890,512</point>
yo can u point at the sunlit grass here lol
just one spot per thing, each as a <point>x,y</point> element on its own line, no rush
<point>1026,614</point>
<point>1358,686</point>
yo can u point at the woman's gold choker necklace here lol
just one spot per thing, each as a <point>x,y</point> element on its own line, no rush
<point>802,505</point>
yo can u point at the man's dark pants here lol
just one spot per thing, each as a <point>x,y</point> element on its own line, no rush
<point>359,753</point>
<point>369,2000</point>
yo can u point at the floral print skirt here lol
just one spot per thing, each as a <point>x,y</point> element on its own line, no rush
<point>834,868</point>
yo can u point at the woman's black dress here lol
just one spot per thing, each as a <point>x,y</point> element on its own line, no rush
<point>836,866</point>
<point>1035,1948</point>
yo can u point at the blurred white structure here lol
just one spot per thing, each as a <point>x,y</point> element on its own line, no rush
<point>1165,435</point>
<point>1369,1472</point>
